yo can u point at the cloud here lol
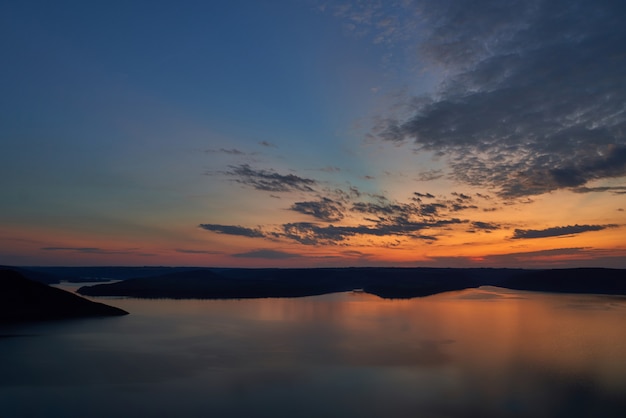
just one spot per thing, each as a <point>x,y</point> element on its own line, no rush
<point>267,254</point>
<point>232,151</point>
<point>365,215</point>
<point>354,253</point>
<point>552,258</point>
<point>533,93</point>
<point>384,23</point>
<point>233,230</point>
<point>324,209</point>
<point>558,231</point>
<point>430,175</point>
<point>313,234</point>
<point>614,189</point>
<point>542,253</point>
<point>267,144</point>
<point>100,251</point>
<point>485,226</point>
<point>461,197</point>
<point>180,250</point>
<point>309,233</point>
<point>270,181</point>
<point>330,169</point>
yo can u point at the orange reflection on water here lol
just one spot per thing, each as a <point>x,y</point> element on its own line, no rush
<point>491,331</point>
<point>490,351</point>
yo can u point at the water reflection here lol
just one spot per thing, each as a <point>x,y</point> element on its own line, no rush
<point>482,352</point>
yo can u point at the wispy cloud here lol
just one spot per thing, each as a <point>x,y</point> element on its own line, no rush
<point>324,209</point>
<point>330,169</point>
<point>554,257</point>
<point>232,151</point>
<point>309,233</point>
<point>558,231</point>
<point>268,144</point>
<point>233,230</point>
<point>185,251</point>
<point>269,180</point>
<point>614,189</point>
<point>100,251</point>
<point>430,175</point>
<point>267,254</point>
<point>352,214</point>
<point>485,226</point>
<point>313,234</point>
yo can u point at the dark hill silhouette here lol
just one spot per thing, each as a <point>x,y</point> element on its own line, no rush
<point>56,274</point>
<point>579,280</point>
<point>22,299</point>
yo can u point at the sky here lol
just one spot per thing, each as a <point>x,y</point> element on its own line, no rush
<point>312,133</point>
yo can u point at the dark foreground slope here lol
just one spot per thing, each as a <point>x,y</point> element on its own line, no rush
<point>37,276</point>
<point>22,299</point>
<point>384,282</point>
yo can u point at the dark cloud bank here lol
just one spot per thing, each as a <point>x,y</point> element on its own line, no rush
<point>535,98</point>
<point>558,231</point>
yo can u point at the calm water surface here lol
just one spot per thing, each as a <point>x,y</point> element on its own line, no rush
<point>485,352</point>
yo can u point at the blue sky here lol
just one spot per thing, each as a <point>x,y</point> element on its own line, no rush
<point>313,133</point>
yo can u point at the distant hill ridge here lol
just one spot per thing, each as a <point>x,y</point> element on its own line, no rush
<point>384,282</point>
<point>57,274</point>
<point>22,299</point>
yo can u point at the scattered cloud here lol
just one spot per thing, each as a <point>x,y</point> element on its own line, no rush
<point>461,197</point>
<point>313,234</point>
<point>269,180</point>
<point>614,189</point>
<point>309,233</point>
<point>486,226</point>
<point>558,231</point>
<point>267,254</point>
<point>548,258</point>
<point>330,169</point>
<point>430,175</point>
<point>354,253</point>
<point>324,209</point>
<point>352,214</point>
<point>100,251</point>
<point>184,251</point>
<point>233,230</point>
<point>386,23</point>
<point>267,144</point>
<point>532,96</point>
<point>232,151</point>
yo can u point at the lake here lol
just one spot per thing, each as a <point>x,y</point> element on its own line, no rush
<point>484,352</point>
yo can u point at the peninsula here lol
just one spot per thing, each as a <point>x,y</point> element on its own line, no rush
<point>22,299</point>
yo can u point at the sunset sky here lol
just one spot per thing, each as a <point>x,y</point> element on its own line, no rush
<point>304,133</point>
